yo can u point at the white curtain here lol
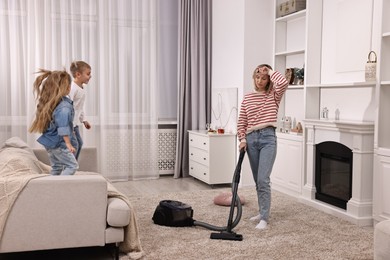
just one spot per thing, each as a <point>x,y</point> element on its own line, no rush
<point>118,38</point>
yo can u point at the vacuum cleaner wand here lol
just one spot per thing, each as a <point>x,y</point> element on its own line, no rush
<point>228,234</point>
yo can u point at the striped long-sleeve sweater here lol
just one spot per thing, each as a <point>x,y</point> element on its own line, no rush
<point>260,110</point>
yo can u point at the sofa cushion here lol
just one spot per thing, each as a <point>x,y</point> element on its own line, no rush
<point>16,156</point>
<point>118,213</point>
<point>16,159</point>
<point>16,142</point>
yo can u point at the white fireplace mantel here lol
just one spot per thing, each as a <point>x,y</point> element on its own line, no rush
<point>359,137</point>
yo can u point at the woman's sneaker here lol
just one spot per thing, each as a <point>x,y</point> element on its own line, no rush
<point>262,224</point>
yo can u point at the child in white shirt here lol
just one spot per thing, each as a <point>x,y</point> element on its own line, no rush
<point>81,72</point>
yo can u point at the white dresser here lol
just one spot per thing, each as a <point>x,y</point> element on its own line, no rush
<point>212,157</point>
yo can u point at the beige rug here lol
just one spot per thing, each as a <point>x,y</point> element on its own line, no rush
<point>295,231</point>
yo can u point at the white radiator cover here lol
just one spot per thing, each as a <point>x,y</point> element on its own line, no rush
<point>128,150</point>
<point>166,150</point>
<point>119,147</point>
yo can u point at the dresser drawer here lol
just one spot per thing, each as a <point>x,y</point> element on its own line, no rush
<point>201,142</point>
<point>199,171</point>
<point>198,155</point>
<point>212,157</point>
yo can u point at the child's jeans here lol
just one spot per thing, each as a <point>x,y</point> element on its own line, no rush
<point>63,162</point>
<point>79,141</point>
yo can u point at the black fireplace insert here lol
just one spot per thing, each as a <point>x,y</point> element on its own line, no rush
<point>333,173</point>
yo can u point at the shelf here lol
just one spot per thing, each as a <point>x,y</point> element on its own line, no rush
<point>343,85</point>
<point>386,34</point>
<point>386,82</point>
<point>383,151</point>
<point>352,126</point>
<point>350,123</point>
<point>296,87</point>
<point>286,53</point>
<point>292,16</point>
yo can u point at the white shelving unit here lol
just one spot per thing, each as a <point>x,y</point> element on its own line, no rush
<point>381,194</point>
<point>289,41</point>
<point>287,173</point>
<point>290,52</point>
<point>302,40</point>
<point>293,35</point>
<point>297,43</point>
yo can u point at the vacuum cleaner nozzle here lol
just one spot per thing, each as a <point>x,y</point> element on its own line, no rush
<point>224,235</point>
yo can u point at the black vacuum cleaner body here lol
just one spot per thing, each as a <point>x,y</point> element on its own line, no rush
<point>173,213</point>
<point>178,214</point>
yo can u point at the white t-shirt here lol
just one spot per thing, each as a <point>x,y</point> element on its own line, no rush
<point>77,94</point>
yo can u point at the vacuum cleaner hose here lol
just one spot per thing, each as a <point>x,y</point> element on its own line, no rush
<point>217,228</point>
<point>231,223</point>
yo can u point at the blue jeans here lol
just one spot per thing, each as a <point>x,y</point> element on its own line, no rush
<point>79,141</point>
<point>62,161</point>
<point>261,150</point>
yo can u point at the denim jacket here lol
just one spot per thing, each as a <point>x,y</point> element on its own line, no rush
<point>62,124</point>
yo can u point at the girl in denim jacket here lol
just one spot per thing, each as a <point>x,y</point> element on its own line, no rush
<point>54,119</point>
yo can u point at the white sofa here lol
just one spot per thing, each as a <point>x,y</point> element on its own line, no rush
<point>53,212</point>
<point>382,240</point>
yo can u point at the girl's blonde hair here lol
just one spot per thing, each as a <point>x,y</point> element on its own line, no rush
<point>49,88</point>
<point>78,66</point>
<point>257,72</point>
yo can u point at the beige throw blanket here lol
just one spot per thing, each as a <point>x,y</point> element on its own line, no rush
<point>19,165</point>
<point>131,244</point>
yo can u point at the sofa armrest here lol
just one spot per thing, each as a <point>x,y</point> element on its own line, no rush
<point>118,213</point>
<point>57,212</point>
<point>87,160</point>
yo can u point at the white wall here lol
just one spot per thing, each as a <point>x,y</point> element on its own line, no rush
<point>258,38</point>
<point>228,43</point>
<point>242,39</point>
<point>227,62</point>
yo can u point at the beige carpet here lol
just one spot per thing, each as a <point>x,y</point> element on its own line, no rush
<point>295,231</point>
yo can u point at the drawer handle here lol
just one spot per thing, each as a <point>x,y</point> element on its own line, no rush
<point>191,140</point>
<point>204,159</point>
<point>192,168</point>
<point>204,173</point>
<point>204,143</point>
<point>192,154</point>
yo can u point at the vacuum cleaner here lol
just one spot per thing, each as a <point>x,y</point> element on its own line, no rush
<point>178,214</point>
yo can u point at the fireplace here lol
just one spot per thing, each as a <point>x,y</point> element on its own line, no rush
<point>333,173</point>
<point>356,137</point>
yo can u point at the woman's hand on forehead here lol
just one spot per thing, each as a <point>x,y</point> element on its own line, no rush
<point>263,70</point>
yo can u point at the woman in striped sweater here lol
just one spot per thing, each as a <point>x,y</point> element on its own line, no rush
<point>256,132</point>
